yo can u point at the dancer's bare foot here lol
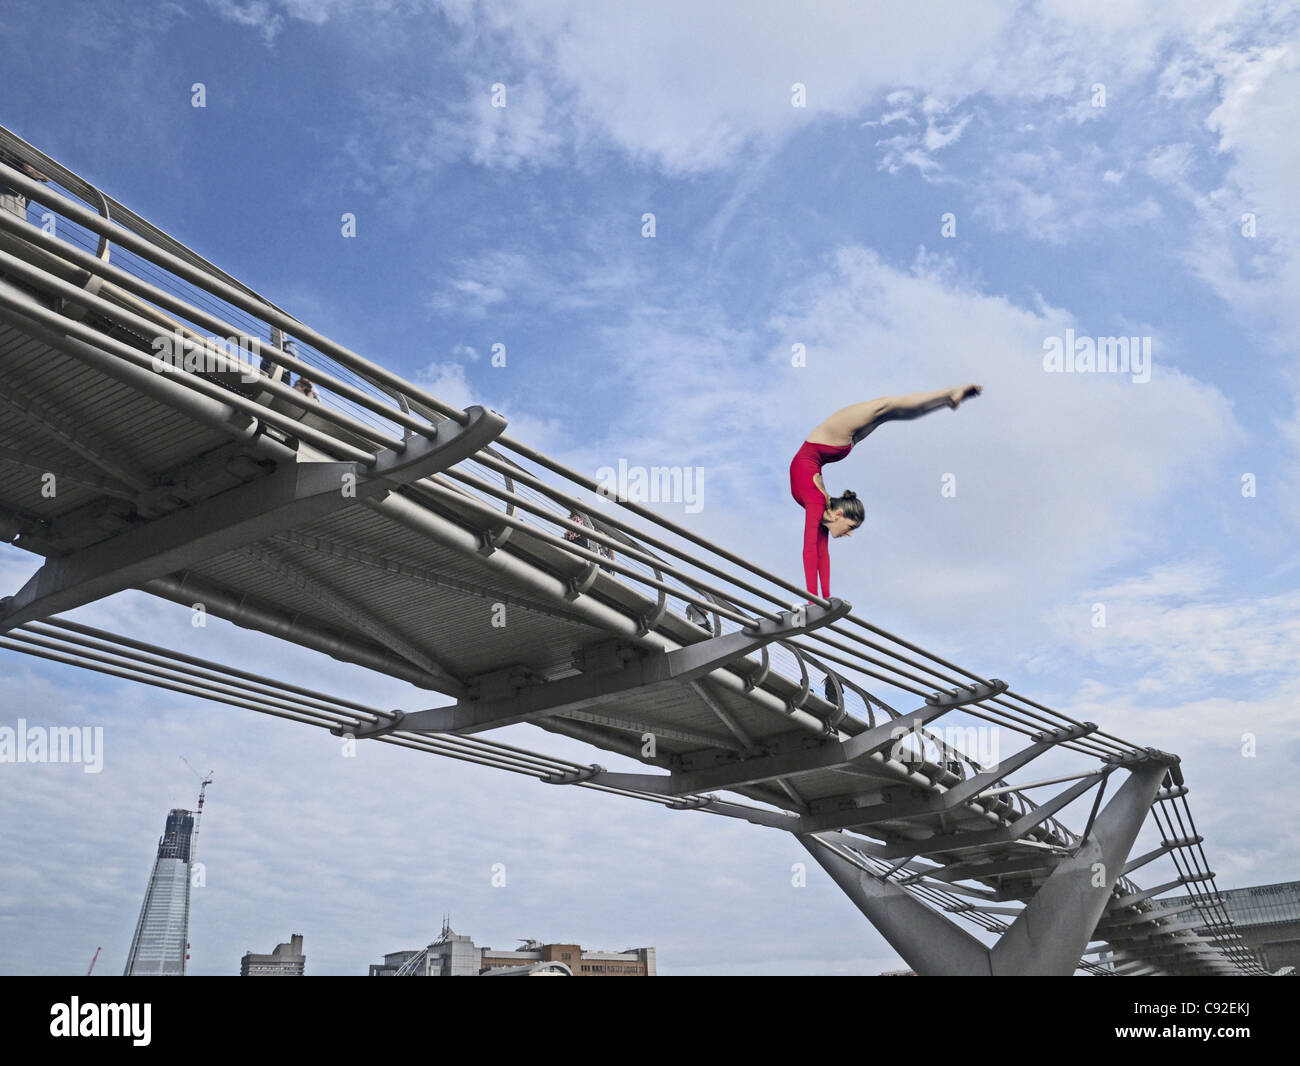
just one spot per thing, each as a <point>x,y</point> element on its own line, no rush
<point>963,392</point>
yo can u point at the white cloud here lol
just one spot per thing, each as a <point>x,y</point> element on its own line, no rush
<point>447,382</point>
<point>1247,244</point>
<point>1237,750</point>
<point>581,76</point>
<point>514,133</point>
<point>503,282</point>
<point>936,138</point>
<point>259,15</point>
<point>1176,580</point>
<point>914,147</point>
<point>1185,76</point>
<point>1045,194</point>
<point>466,296</point>
<point>656,88</point>
<point>1257,104</point>
<point>1170,164</point>
<point>1179,631</point>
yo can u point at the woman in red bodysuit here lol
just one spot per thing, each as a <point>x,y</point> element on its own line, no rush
<point>826,516</point>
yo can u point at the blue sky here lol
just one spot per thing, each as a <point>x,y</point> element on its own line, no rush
<point>775,225</point>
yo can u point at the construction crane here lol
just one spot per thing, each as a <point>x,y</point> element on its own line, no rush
<point>92,961</point>
<point>198,814</point>
<point>204,782</point>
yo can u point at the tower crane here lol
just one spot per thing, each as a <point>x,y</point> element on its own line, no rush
<point>198,815</point>
<point>204,782</point>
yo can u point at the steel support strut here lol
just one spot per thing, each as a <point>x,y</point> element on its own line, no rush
<point>929,943</point>
<point>832,754</point>
<point>509,701</point>
<point>1050,934</point>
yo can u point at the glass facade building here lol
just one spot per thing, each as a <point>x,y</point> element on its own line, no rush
<point>1267,917</point>
<point>158,948</point>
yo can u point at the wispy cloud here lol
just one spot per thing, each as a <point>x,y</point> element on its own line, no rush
<point>259,15</point>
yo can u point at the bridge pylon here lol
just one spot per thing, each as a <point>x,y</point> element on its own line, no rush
<point>1049,935</point>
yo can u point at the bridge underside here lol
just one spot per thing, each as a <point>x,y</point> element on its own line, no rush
<point>403,540</point>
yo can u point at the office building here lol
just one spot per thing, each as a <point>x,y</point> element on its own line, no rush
<point>1266,916</point>
<point>456,955</point>
<point>392,963</point>
<point>287,960</point>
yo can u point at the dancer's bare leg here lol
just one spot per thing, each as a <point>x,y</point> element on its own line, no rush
<point>850,424</point>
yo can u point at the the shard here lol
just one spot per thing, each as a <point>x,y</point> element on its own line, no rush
<point>159,946</point>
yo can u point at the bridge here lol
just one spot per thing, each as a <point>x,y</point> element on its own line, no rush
<point>151,440</point>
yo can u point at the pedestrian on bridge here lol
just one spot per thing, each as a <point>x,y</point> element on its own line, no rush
<point>11,199</point>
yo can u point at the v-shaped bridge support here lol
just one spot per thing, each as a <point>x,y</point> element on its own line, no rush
<point>1049,935</point>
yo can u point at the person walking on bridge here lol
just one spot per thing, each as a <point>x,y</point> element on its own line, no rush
<point>827,516</point>
<point>11,199</point>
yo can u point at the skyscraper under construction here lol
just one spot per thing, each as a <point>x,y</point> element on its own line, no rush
<point>158,948</point>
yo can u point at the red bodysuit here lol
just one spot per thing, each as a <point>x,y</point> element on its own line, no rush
<point>807,462</point>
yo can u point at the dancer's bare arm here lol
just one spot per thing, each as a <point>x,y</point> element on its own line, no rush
<point>850,424</point>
